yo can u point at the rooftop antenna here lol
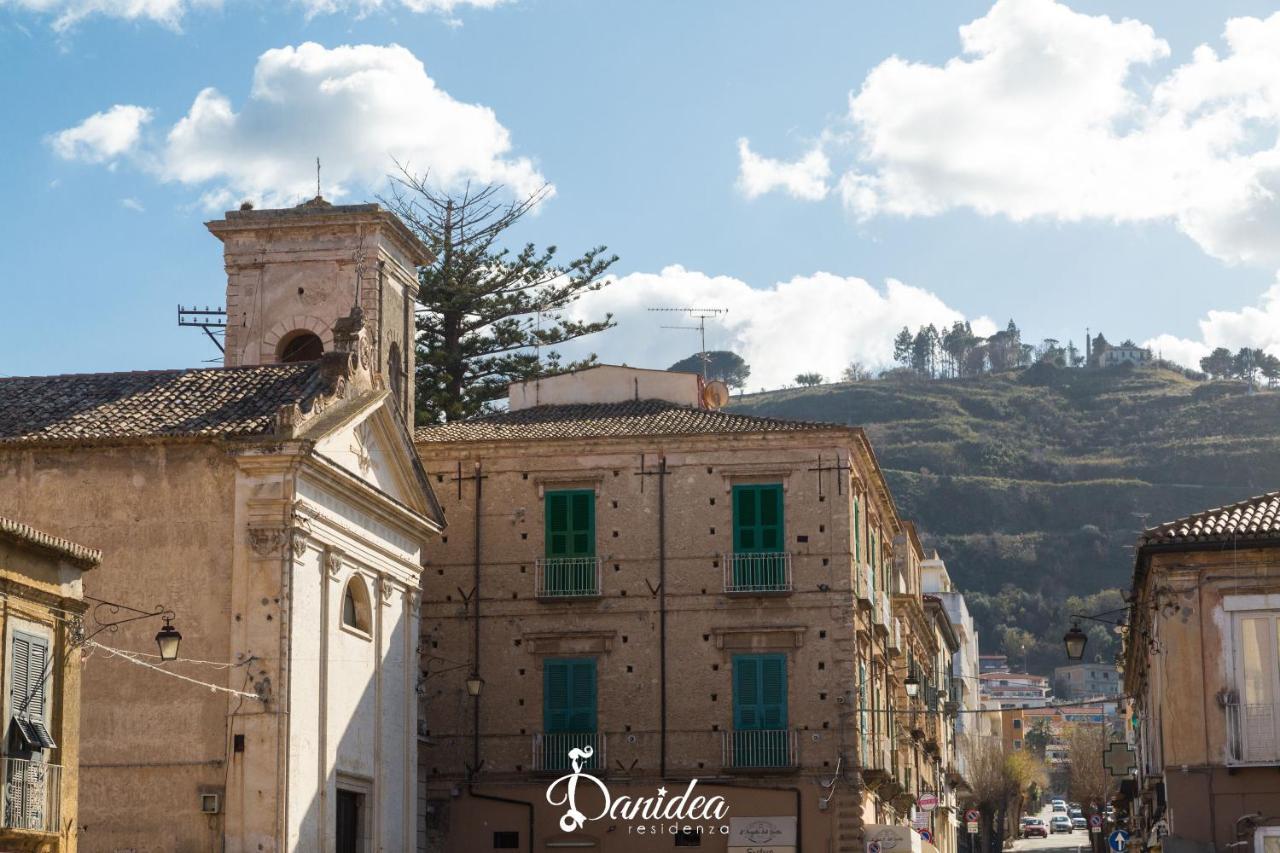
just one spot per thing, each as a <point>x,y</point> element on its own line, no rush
<point>317,177</point>
<point>701,315</point>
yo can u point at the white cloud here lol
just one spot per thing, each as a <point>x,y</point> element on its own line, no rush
<point>805,179</point>
<point>1254,326</point>
<point>357,108</point>
<point>102,137</point>
<point>65,14</point>
<point>132,204</point>
<point>816,322</point>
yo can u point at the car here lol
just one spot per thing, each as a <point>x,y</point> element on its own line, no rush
<point>1060,808</point>
<point>1076,812</point>
<point>1033,827</point>
<point>1078,822</point>
<point>1060,823</point>
<point>1057,802</point>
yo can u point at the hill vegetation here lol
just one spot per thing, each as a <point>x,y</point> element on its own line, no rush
<point>1033,483</point>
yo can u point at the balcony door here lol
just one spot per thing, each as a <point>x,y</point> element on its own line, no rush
<point>1257,724</point>
<point>568,711</point>
<point>758,561</point>
<point>570,543</point>
<point>760,737</point>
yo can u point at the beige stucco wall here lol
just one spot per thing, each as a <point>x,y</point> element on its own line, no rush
<point>820,626</point>
<point>161,515</point>
<point>606,383</point>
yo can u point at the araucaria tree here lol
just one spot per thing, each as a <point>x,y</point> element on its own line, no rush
<point>485,313</point>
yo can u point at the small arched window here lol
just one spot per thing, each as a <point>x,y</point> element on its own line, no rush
<point>395,372</point>
<point>355,606</point>
<point>300,345</point>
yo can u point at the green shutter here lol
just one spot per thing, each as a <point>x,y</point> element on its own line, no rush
<point>857,531</point>
<point>757,518</point>
<point>746,692</point>
<point>571,523</point>
<point>759,692</point>
<point>569,695</point>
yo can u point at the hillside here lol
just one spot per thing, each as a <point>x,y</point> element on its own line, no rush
<point>1040,479</point>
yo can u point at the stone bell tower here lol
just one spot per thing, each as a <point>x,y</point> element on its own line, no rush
<point>292,273</point>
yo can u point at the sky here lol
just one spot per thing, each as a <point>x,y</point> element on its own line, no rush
<point>826,171</point>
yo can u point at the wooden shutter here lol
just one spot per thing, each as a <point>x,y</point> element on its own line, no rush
<point>746,692</point>
<point>570,523</point>
<point>569,695</point>
<point>28,676</point>
<point>757,518</point>
<point>759,692</point>
<point>773,691</point>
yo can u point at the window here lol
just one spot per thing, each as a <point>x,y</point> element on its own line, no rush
<point>568,711</point>
<point>570,535</point>
<point>355,606</point>
<point>1257,675</point>
<point>350,822</point>
<point>1017,724</point>
<point>760,737</point>
<point>28,694</point>
<point>300,345</point>
<point>506,840</point>
<point>759,563</point>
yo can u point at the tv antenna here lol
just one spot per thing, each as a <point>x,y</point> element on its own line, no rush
<point>701,315</point>
<point>205,318</point>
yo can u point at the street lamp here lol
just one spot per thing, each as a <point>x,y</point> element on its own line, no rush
<point>912,684</point>
<point>1075,641</point>
<point>474,684</point>
<point>168,639</point>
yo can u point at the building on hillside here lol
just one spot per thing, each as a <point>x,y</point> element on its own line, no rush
<point>679,594</point>
<point>1087,681</point>
<point>993,663</point>
<point>1013,730</point>
<point>1201,668</point>
<point>277,508</point>
<point>41,579</point>
<point>1126,353</point>
<point>1014,690</point>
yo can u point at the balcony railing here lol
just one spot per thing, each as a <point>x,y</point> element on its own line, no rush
<point>865,595</point>
<point>763,749</point>
<point>568,577</point>
<point>1252,734</point>
<point>32,795</point>
<point>551,751</point>
<point>757,573</point>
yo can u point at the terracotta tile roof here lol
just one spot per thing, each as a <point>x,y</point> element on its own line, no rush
<point>18,531</point>
<point>235,401</point>
<point>604,420</point>
<point>1255,518</point>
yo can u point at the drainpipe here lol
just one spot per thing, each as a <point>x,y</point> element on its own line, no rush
<point>662,613</point>
<point>475,659</point>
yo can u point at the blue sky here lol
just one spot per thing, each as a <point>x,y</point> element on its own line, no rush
<point>634,111</point>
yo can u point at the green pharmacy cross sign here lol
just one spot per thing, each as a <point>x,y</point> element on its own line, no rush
<point>1120,759</point>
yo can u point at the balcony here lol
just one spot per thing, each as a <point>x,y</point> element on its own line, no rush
<point>895,637</point>
<point>1252,736</point>
<point>876,760</point>
<point>880,611</point>
<point>568,577</point>
<point>863,577</point>
<point>551,751</point>
<point>32,795</point>
<point>763,749</point>
<point>757,574</point>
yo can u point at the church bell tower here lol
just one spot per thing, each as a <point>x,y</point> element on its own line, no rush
<point>292,273</point>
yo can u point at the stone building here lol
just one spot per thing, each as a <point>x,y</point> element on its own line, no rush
<point>684,593</point>
<point>1202,665</point>
<point>277,508</point>
<point>41,582</point>
<point>1086,681</point>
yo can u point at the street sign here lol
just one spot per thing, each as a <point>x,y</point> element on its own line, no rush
<point>1118,840</point>
<point>1120,759</point>
<point>972,816</point>
<point>926,835</point>
<point>873,847</point>
<point>927,802</point>
<point>973,827</point>
<point>1095,821</point>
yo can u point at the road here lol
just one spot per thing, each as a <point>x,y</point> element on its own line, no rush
<point>1078,840</point>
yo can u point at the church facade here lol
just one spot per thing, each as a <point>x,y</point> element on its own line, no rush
<point>276,507</point>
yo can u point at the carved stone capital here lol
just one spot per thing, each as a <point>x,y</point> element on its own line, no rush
<point>333,563</point>
<point>386,588</point>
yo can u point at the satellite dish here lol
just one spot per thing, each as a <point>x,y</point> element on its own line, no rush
<point>715,394</point>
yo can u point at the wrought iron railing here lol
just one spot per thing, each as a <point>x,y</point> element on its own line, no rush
<point>1252,733</point>
<point>553,751</point>
<point>32,795</point>
<point>760,749</point>
<point>757,573</point>
<point>568,577</point>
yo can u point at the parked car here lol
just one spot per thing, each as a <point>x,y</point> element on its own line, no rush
<point>1033,827</point>
<point>1060,823</point>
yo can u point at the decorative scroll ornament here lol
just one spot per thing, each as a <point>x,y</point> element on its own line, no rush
<point>266,541</point>
<point>333,563</point>
<point>386,587</point>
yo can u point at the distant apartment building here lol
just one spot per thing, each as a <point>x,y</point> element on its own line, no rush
<point>1201,666</point>
<point>993,663</point>
<point>1014,690</point>
<point>674,593</point>
<point>1087,681</point>
<point>936,581</point>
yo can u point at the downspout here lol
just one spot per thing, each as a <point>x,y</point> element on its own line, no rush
<point>471,791</point>
<point>381,319</point>
<point>475,641</point>
<point>662,614</point>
